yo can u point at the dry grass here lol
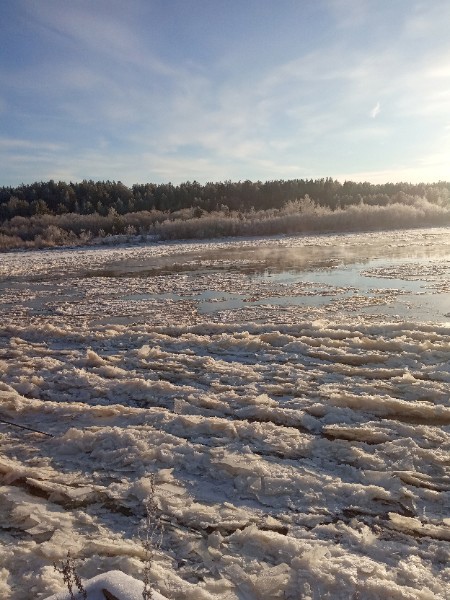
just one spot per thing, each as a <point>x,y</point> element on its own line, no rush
<point>68,570</point>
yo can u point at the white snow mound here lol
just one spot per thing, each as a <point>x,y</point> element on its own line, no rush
<point>117,583</point>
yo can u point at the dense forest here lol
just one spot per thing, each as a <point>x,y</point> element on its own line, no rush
<point>57,213</point>
<point>90,197</point>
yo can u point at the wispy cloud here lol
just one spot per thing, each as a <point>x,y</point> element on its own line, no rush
<point>349,13</point>
<point>375,110</point>
<point>119,91</point>
<point>12,143</point>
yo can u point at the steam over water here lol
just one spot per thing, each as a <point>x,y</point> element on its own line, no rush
<point>291,396</point>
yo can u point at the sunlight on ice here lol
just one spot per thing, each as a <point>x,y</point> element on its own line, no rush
<point>299,449</point>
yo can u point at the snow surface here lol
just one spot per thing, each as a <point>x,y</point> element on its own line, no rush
<point>300,450</point>
<point>121,585</point>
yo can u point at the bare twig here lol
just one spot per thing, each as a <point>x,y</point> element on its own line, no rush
<point>151,537</point>
<point>71,578</point>
<point>27,428</point>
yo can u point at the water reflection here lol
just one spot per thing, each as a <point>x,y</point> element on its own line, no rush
<point>333,278</point>
<point>268,259</point>
<point>408,282</point>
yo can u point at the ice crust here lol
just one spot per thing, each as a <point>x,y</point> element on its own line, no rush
<point>298,451</point>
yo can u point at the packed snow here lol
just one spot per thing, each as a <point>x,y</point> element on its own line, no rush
<point>116,583</point>
<point>290,395</point>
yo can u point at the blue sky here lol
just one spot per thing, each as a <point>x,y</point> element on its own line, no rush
<point>177,90</point>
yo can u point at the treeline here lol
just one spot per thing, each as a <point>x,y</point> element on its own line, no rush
<point>57,214</point>
<point>89,197</point>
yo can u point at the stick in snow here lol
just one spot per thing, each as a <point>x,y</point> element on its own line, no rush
<point>27,428</point>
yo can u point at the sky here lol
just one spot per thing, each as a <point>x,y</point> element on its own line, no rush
<point>209,90</point>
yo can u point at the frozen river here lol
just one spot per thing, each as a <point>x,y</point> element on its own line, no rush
<point>406,283</point>
<point>290,395</point>
<point>405,280</point>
